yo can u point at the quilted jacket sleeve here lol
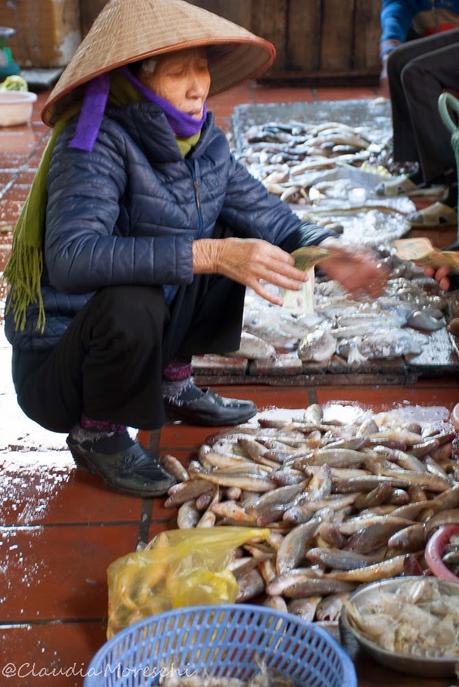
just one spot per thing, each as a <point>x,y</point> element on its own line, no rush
<point>252,212</point>
<point>82,251</point>
<point>396,18</point>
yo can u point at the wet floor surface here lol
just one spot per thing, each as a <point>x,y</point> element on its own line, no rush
<point>59,529</point>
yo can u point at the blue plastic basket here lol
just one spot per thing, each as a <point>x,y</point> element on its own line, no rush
<point>221,641</point>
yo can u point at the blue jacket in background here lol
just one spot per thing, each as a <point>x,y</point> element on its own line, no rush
<point>128,212</point>
<point>397,16</point>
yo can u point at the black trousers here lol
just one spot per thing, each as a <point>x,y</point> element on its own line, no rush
<point>418,72</point>
<point>109,362</point>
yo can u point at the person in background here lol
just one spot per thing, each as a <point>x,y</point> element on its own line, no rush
<point>139,236</point>
<point>416,73</point>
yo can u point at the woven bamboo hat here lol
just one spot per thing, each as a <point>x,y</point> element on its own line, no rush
<point>131,30</point>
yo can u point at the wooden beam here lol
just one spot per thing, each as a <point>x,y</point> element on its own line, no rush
<point>269,20</point>
<point>303,34</point>
<point>337,35</point>
<point>239,11</point>
<point>367,32</point>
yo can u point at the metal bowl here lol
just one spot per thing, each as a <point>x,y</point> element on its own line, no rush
<point>405,663</point>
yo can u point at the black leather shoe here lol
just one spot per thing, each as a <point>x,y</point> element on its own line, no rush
<point>132,470</point>
<point>210,409</point>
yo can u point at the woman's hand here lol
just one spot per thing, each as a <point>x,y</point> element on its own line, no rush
<point>441,275</point>
<point>357,271</point>
<point>248,261</point>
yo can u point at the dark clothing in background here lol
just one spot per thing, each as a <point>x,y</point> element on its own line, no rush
<point>109,362</point>
<point>400,18</point>
<point>419,72</point>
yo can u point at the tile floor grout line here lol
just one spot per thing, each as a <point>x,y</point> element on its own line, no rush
<point>56,621</point>
<point>167,521</point>
<point>312,395</point>
<point>49,525</point>
<point>9,184</point>
<point>145,522</point>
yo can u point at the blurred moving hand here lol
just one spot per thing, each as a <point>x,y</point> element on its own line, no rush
<point>441,275</point>
<point>249,262</point>
<point>356,270</point>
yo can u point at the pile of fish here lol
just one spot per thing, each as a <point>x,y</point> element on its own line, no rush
<point>346,503</point>
<point>395,324</point>
<point>328,173</point>
<point>287,157</point>
<point>419,618</point>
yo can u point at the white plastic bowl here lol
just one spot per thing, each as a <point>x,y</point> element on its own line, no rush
<point>16,107</point>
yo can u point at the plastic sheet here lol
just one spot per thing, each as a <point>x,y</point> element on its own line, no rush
<point>178,568</point>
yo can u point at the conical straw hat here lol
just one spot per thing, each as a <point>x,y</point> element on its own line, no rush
<point>130,30</point>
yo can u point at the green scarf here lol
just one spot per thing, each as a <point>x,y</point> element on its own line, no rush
<point>25,266</point>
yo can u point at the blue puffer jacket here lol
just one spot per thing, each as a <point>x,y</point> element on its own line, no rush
<point>397,17</point>
<point>127,213</point>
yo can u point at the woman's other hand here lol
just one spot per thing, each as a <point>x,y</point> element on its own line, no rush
<point>249,262</point>
<point>357,271</point>
<point>441,275</point>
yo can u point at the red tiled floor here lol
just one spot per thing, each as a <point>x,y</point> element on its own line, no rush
<point>17,192</point>
<point>284,95</point>
<point>160,514</point>
<point>10,210</point>
<point>383,397</point>
<point>40,490</point>
<point>344,93</point>
<point>25,177</point>
<point>5,178</point>
<point>438,382</point>
<point>8,161</point>
<point>51,573</point>
<point>60,651</point>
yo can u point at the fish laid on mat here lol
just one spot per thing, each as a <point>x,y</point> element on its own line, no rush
<point>398,323</point>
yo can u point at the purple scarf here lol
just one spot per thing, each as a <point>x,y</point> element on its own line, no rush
<point>95,100</point>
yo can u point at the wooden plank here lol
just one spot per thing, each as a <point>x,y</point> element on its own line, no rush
<point>316,79</point>
<point>89,9</point>
<point>211,364</point>
<point>283,364</point>
<point>353,380</point>
<point>303,35</point>
<point>269,20</point>
<point>367,32</point>
<point>239,11</point>
<point>337,35</point>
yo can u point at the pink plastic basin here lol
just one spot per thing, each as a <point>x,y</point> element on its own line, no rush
<point>434,551</point>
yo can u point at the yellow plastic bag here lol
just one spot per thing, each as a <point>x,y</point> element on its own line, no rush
<point>178,568</point>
